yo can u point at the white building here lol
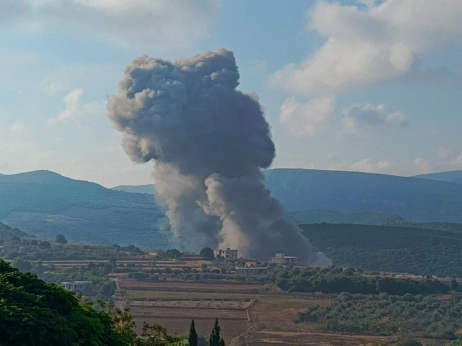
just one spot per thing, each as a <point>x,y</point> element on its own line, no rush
<point>281,258</point>
<point>78,286</point>
<point>226,253</point>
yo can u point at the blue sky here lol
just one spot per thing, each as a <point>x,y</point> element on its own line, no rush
<point>371,86</point>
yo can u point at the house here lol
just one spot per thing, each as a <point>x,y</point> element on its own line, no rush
<point>252,270</point>
<point>78,286</point>
<point>226,253</point>
<point>281,258</point>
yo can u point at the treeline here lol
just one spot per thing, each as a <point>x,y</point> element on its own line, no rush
<point>33,312</point>
<point>386,314</point>
<point>337,280</point>
<point>421,251</point>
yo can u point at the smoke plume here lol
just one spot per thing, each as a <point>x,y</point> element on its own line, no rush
<point>210,143</point>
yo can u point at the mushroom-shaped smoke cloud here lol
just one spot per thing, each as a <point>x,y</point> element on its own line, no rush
<point>210,143</point>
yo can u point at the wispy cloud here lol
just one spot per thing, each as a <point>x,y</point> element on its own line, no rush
<point>76,110</point>
<point>306,118</point>
<point>127,23</point>
<point>361,119</point>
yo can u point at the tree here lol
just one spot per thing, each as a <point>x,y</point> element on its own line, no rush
<point>44,245</point>
<point>113,261</point>
<point>107,268</point>
<point>215,339</point>
<point>33,312</point>
<point>454,285</point>
<point>37,267</point>
<point>22,265</point>
<point>155,335</point>
<point>207,253</point>
<point>173,253</point>
<point>60,239</point>
<point>192,335</point>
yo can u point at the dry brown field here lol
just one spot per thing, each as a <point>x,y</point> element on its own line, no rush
<point>245,319</point>
<point>131,284</point>
<point>175,295</point>
<point>198,304</point>
<point>229,329</point>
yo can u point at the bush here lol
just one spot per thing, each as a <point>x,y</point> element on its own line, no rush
<point>207,253</point>
<point>138,275</point>
<point>409,342</point>
<point>44,245</point>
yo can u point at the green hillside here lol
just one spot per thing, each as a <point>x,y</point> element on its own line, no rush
<point>390,248</point>
<point>45,204</point>
<point>451,177</point>
<point>352,192</point>
<point>331,216</point>
<point>149,189</point>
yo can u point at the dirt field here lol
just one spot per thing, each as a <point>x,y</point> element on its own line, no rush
<point>246,319</point>
<point>229,329</point>
<point>198,304</point>
<point>178,295</point>
<point>192,286</point>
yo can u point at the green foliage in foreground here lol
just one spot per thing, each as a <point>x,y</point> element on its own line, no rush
<point>387,314</point>
<point>35,313</point>
<point>338,280</point>
<point>391,248</point>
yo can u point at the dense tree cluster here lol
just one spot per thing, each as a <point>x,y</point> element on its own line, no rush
<point>391,248</point>
<point>35,313</point>
<point>388,314</point>
<point>338,280</point>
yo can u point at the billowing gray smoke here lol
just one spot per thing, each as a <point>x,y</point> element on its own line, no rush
<point>210,143</point>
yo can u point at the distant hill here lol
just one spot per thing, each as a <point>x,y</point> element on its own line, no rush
<point>149,189</point>
<point>45,204</point>
<point>43,177</point>
<point>335,217</point>
<point>451,177</point>
<point>413,199</point>
<point>412,250</point>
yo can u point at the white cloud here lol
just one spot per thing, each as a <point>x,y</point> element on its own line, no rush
<point>367,165</point>
<point>360,119</point>
<point>306,118</point>
<point>373,43</point>
<point>128,23</point>
<point>380,44</point>
<point>76,110</point>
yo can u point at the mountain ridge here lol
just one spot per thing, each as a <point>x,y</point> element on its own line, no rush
<point>45,204</point>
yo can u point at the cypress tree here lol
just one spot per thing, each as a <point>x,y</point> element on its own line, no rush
<point>192,335</point>
<point>215,336</point>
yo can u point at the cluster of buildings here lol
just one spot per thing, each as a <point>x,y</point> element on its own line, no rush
<point>226,253</point>
<point>250,268</point>
<point>281,258</point>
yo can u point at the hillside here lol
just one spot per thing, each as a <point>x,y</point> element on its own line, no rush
<point>149,189</point>
<point>330,216</point>
<point>411,198</point>
<point>451,177</point>
<point>45,204</point>
<point>390,248</point>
